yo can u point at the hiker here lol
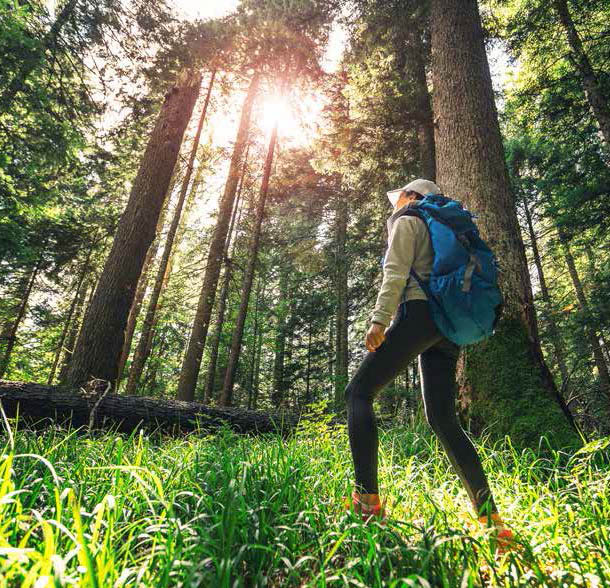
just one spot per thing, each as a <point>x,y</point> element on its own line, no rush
<point>412,333</point>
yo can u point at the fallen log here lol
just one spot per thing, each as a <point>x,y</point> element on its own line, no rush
<point>40,404</point>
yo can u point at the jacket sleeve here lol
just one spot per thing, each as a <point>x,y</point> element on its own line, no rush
<point>398,262</point>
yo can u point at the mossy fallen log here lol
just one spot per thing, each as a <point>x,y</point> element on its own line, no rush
<point>40,404</point>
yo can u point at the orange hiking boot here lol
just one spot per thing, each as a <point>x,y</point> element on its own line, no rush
<point>366,511</point>
<point>503,537</point>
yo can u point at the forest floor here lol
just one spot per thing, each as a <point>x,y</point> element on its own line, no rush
<point>227,510</point>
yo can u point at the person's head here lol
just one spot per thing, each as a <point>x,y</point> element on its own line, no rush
<point>414,190</point>
<point>405,197</point>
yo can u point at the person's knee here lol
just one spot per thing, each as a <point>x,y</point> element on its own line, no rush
<point>354,391</point>
<point>441,421</point>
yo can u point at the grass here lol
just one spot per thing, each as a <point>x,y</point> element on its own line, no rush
<point>228,510</point>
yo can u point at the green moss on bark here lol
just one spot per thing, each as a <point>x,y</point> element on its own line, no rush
<point>505,392</point>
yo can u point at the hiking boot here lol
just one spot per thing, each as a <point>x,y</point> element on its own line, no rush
<point>504,538</point>
<point>367,512</point>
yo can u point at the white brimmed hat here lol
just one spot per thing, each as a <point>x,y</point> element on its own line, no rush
<point>420,186</point>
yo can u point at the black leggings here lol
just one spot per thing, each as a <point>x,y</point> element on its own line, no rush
<point>413,334</point>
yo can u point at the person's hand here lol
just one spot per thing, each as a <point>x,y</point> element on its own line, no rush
<point>375,336</point>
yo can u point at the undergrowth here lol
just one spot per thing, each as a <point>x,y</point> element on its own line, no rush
<point>227,510</point>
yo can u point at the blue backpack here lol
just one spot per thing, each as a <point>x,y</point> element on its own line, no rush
<point>466,301</point>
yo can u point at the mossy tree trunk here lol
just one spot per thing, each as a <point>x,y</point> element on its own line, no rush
<point>504,382</point>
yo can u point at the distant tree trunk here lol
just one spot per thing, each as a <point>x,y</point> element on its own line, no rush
<point>281,310</point>
<point>341,310</point>
<point>69,317</point>
<point>257,374</point>
<point>503,379</point>
<point>425,121</point>
<point>144,344</point>
<point>227,391</point>
<point>35,58</point>
<point>11,332</point>
<point>252,377</point>
<point>136,306</point>
<point>308,399</point>
<point>194,352</point>
<point>593,90</point>
<point>224,291</point>
<point>98,349</point>
<point>546,298</point>
<point>598,355</point>
<point>74,328</point>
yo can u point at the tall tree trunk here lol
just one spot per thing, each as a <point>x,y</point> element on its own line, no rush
<point>308,373</point>
<point>546,298</point>
<point>257,373</point>
<point>11,334</point>
<point>341,309</point>
<point>598,355</point>
<point>227,391</point>
<point>425,121</point>
<point>224,291</point>
<point>143,349</point>
<point>136,306</point>
<point>254,347</point>
<point>34,59</point>
<point>595,95</point>
<point>68,321</point>
<point>194,352</point>
<point>503,379</point>
<point>281,310</point>
<point>74,328</point>
<point>98,349</point>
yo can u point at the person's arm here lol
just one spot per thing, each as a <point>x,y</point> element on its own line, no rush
<point>398,262</point>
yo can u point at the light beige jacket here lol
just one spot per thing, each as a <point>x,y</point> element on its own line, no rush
<point>409,246</point>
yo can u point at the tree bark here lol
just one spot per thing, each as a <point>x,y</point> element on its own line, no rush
<point>11,334</point>
<point>425,122</point>
<point>224,291</point>
<point>503,379</point>
<point>593,91</point>
<point>227,391</point>
<point>341,309</point>
<point>32,62</point>
<point>598,355</point>
<point>35,402</point>
<point>98,349</point>
<point>194,352</point>
<point>138,300</point>
<point>143,349</point>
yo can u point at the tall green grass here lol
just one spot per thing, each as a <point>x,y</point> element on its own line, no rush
<point>227,510</point>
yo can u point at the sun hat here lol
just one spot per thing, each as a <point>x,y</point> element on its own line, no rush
<point>420,186</point>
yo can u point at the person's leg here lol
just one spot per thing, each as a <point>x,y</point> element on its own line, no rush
<point>438,365</point>
<point>405,340</point>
